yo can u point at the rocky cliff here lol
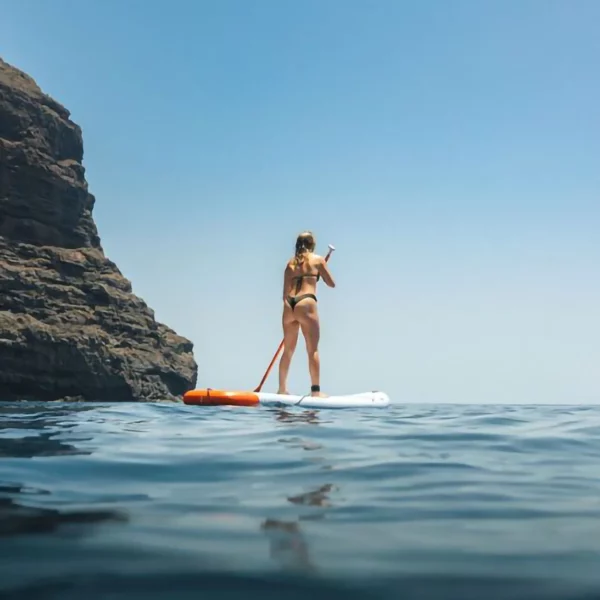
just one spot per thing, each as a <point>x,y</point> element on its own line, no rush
<point>70,325</point>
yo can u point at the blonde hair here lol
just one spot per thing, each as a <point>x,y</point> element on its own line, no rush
<point>305,243</point>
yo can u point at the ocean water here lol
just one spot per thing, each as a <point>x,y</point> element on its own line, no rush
<point>412,502</point>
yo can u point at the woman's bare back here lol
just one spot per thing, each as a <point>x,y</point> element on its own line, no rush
<point>303,278</point>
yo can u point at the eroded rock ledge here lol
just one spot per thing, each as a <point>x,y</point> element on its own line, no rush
<point>70,326</point>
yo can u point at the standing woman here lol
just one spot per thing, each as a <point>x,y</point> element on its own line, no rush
<point>300,278</point>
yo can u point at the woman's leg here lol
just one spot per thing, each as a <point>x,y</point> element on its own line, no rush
<point>291,327</point>
<point>312,331</point>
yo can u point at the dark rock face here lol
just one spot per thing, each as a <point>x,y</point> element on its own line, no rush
<point>70,325</point>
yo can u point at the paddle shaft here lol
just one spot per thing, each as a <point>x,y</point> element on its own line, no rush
<point>262,381</point>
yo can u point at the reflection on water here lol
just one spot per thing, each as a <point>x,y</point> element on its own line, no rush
<point>30,433</point>
<point>438,504</point>
<point>43,444</point>
<point>297,442</point>
<point>317,497</point>
<point>287,543</point>
<point>17,519</point>
<point>306,416</point>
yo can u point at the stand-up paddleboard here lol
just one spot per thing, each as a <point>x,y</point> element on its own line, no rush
<point>209,397</point>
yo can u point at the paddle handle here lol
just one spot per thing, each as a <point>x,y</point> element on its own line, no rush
<point>262,381</point>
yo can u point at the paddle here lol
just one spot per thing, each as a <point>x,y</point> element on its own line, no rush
<point>262,381</point>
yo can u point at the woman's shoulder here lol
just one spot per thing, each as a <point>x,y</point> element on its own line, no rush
<point>311,259</point>
<point>314,261</point>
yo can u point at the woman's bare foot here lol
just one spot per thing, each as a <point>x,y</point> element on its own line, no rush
<point>284,393</point>
<point>319,395</point>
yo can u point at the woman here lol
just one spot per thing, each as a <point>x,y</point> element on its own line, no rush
<point>300,278</point>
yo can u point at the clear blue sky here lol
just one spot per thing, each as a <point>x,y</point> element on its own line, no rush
<point>450,151</point>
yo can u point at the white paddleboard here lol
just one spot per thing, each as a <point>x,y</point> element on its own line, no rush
<point>210,397</point>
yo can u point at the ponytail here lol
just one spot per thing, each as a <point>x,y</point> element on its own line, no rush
<point>304,243</point>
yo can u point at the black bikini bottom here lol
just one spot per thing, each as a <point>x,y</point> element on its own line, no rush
<point>293,300</point>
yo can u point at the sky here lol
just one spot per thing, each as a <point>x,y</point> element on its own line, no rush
<point>449,150</point>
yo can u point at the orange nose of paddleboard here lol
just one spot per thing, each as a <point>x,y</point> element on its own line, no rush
<point>208,397</point>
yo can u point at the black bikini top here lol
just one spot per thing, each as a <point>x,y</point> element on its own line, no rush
<point>299,277</point>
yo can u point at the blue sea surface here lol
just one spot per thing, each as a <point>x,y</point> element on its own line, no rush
<point>411,502</point>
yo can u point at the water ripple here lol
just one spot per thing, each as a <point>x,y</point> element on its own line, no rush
<point>423,502</point>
